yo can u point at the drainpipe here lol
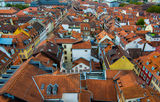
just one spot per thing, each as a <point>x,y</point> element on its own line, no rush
<point>116,75</point>
<point>143,48</point>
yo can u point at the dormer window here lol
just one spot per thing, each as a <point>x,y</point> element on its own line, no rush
<point>6,58</point>
<point>55,89</point>
<point>3,61</point>
<point>144,68</point>
<point>49,89</point>
<point>150,74</point>
<point>52,89</point>
<point>155,56</point>
<point>152,68</point>
<point>158,73</point>
<point>147,63</point>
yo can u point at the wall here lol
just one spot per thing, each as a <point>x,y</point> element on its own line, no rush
<point>122,64</point>
<point>69,52</point>
<point>43,35</point>
<point>84,68</point>
<point>133,44</point>
<point>70,97</point>
<point>81,53</point>
<point>149,28</point>
<point>149,38</point>
<point>133,100</point>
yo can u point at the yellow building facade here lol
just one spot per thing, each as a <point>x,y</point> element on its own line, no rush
<point>27,51</point>
<point>122,64</point>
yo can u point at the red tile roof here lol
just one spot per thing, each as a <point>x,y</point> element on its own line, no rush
<point>103,90</point>
<point>66,41</point>
<point>67,83</point>
<point>9,10</point>
<point>21,84</point>
<point>154,61</point>
<point>82,45</point>
<point>81,60</point>
<point>85,96</point>
<point>76,35</point>
<point>102,34</point>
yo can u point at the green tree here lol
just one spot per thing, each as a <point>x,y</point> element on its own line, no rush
<point>122,4</point>
<point>154,9</point>
<point>8,5</point>
<point>20,6</point>
<point>140,22</point>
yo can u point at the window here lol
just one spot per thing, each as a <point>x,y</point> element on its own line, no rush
<point>144,77</point>
<point>154,79</point>
<point>23,56</point>
<point>65,46</point>
<point>146,71</point>
<point>153,68</point>
<point>76,70</point>
<point>150,74</point>
<point>147,63</point>
<point>3,61</point>
<point>80,66</point>
<point>155,56</point>
<point>65,58</point>
<point>147,80</point>
<point>154,88</point>
<point>158,73</point>
<point>85,50</point>
<point>142,74</point>
<point>138,100</point>
<point>157,82</point>
<point>143,67</point>
<point>151,85</point>
<point>6,58</point>
<point>49,50</point>
<point>65,52</point>
<point>72,70</point>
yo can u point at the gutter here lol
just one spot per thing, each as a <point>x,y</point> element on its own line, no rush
<point>38,88</point>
